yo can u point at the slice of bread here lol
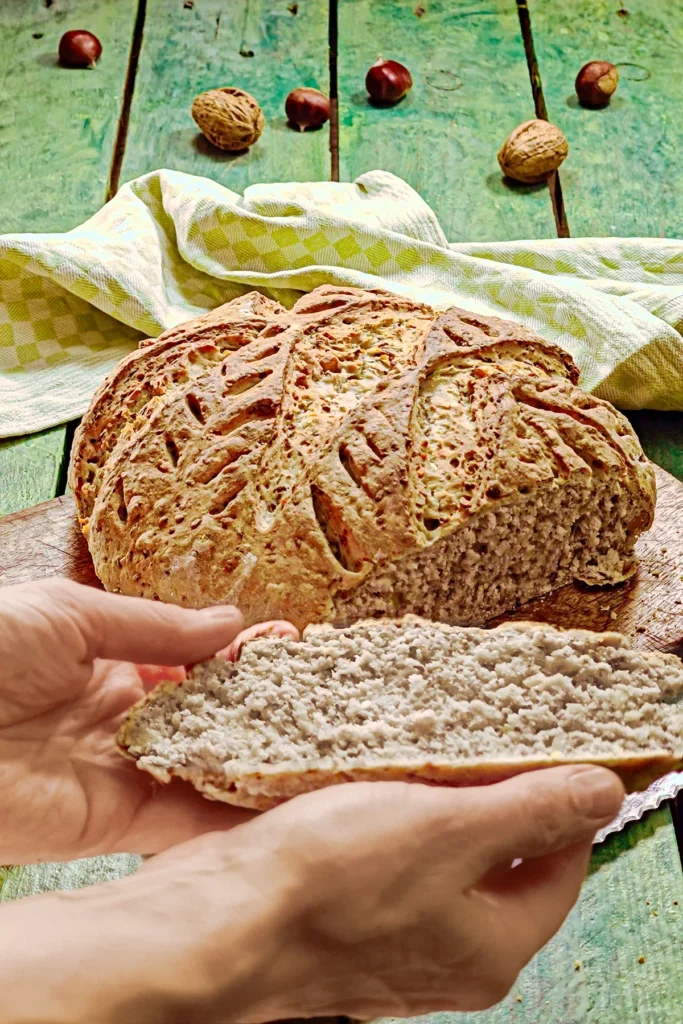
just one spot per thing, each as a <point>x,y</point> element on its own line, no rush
<point>412,700</point>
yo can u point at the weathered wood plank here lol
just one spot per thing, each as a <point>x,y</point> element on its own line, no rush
<point>58,125</point>
<point>44,541</point>
<point>30,469</point>
<point>57,130</point>
<point>267,47</point>
<point>623,175</point>
<point>631,906</point>
<point>471,88</point>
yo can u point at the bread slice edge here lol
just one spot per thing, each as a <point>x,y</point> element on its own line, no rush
<point>274,784</point>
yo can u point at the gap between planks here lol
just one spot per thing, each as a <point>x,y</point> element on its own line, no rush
<point>62,480</point>
<point>112,187</point>
<point>676,808</point>
<point>554,184</point>
<point>332,44</point>
<point>126,101</point>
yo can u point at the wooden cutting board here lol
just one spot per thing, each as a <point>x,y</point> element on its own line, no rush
<point>45,541</point>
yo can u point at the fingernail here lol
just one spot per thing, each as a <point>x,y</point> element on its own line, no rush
<point>596,792</point>
<point>222,611</point>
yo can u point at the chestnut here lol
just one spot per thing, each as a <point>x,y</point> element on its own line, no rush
<point>79,49</point>
<point>387,82</point>
<point>595,83</point>
<point>307,108</point>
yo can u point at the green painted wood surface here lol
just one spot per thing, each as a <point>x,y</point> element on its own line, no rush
<point>16,882</point>
<point>631,906</point>
<point>471,88</point>
<point>624,174</point>
<point>58,125</point>
<point>30,469</point>
<point>258,45</point>
<point>661,435</point>
<point>57,130</point>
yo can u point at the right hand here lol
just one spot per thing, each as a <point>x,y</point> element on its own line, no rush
<point>376,899</point>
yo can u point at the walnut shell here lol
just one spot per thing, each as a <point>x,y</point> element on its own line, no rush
<point>533,151</point>
<point>229,118</point>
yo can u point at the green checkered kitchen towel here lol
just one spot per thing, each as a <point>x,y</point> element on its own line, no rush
<point>170,246</point>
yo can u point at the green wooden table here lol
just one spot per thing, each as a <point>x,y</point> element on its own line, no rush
<point>68,138</point>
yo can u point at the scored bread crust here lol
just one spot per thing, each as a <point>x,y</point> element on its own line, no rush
<point>275,784</point>
<point>138,383</point>
<point>274,459</point>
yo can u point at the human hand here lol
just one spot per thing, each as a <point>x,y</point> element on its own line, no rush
<point>402,899</point>
<point>365,900</point>
<point>66,792</point>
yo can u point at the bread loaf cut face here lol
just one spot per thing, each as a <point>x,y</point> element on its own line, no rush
<point>358,455</point>
<point>415,701</point>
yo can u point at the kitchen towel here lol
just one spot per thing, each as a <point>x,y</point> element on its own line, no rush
<point>170,246</point>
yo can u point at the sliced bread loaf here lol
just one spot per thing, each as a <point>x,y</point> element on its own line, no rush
<point>356,456</point>
<point>412,700</point>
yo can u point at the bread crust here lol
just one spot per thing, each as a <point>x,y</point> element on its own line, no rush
<point>262,791</point>
<point>275,458</point>
<point>137,384</point>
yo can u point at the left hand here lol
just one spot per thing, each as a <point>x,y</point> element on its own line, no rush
<point>65,791</point>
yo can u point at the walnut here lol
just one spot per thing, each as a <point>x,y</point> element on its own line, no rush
<point>533,151</point>
<point>229,118</point>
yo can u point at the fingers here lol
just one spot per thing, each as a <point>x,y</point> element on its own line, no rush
<point>530,905</point>
<point>142,631</point>
<point>549,819</point>
<point>152,675</point>
<point>545,811</point>
<point>276,628</point>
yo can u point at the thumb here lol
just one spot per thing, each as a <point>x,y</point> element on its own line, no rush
<point>142,631</point>
<point>542,812</point>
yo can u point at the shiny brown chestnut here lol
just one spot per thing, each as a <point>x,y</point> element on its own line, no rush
<point>387,82</point>
<point>307,108</point>
<point>79,49</point>
<point>595,83</point>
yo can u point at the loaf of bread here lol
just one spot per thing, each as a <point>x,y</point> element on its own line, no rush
<point>411,700</point>
<point>357,456</point>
